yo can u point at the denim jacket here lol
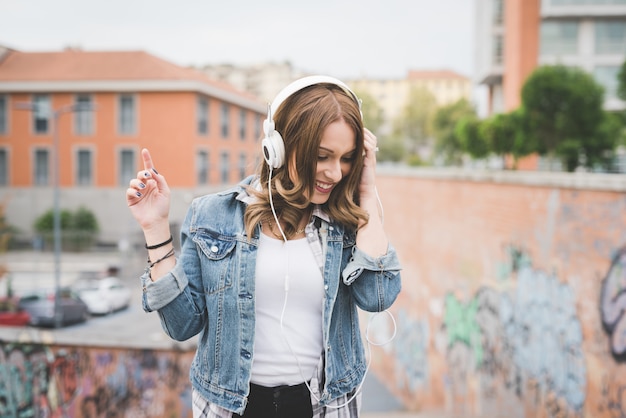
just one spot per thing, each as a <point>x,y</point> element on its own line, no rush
<point>210,292</point>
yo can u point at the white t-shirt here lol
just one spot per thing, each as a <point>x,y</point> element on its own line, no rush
<point>274,363</point>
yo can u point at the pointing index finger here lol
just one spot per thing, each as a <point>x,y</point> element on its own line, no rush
<point>147,159</point>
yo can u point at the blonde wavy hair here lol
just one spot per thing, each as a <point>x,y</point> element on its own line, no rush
<point>301,119</point>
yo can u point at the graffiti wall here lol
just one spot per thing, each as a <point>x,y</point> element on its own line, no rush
<point>513,305</point>
<point>513,300</point>
<point>55,381</point>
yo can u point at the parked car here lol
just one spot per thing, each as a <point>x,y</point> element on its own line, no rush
<point>40,306</point>
<point>11,314</point>
<point>103,296</point>
<point>14,319</point>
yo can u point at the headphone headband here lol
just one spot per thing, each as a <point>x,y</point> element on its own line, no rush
<point>307,82</point>
<point>273,145</point>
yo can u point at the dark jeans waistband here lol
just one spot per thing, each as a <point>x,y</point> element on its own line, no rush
<point>279,391</point>
<point>278,402</point>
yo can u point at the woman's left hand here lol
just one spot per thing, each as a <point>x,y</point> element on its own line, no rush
<point>367,187</point>
<point>371,237</point>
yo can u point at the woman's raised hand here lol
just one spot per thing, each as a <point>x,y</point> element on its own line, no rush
<point>148,196</point>
<point>368,176</point>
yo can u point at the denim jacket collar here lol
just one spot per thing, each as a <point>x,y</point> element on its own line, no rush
<point>254,182</point>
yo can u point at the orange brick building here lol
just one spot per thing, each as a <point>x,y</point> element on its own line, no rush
<point>202,133</point>
<point>199,130</point>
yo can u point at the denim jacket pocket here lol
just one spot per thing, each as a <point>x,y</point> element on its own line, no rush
<point>216,263</point>
<point>349,240</point>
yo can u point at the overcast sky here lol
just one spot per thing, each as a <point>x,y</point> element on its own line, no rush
<point>342,38</point>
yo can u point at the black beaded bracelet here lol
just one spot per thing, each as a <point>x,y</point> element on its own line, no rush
<point>154,247</point>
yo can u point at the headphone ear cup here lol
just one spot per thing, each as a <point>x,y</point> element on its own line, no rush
<point>274,149</point>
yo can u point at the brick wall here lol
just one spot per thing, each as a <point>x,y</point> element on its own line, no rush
<point>513,304</point>
<point>514,293</point>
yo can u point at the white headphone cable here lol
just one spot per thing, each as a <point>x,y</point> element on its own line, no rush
<point>269,190</point>
<point>282,314</point>
<point>380,206</point>
<point>368,355</point>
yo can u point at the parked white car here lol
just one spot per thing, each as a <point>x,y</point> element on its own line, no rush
<point>103,296</point>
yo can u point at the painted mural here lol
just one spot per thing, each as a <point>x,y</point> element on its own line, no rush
<point>41,381</point>
<point>513,302</point>
<point>521,346</point>
<point>613,306</point>
<point>524,344</point>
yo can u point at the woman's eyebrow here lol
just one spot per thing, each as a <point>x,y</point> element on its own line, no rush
<point>332,152</point>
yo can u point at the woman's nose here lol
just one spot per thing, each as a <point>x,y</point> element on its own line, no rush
<point>333,170</point>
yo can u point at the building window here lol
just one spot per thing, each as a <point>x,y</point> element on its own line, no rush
<point>498,12</point>
<point>498,50</point>
<point>84,168</point>
<point>202,165</point>
<point>41,113</point>
<point>127,118</point>
<point>610,37</point>
<point>4,117</point>
<point>224,119</point>
<point>83,119</point>
<point>225,167</point>
<point>559,38</point>
<point>202,115</point>
<point>606,75</point>
<point>42,167</point>
<point>127,168</point>
<point>243,166</point>
<point>242,124</point>
<point>257,127</point>
<point>4,167</point>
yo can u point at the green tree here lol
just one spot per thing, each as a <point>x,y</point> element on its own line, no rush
<point>78,228</point>
<point>45,223</point>
<point>563,112</point>
<point>391,148</point>
<point>373,115</point>
<point>447,142</point>
<point>621,93</point>
<point>8,232</point>
<point>468,129</point>
<point>84,228</point>
<point>621,82</point>
<point>415,124</point>
<point>505,134</point>
<point>84,219</point>
<point>610,133</point>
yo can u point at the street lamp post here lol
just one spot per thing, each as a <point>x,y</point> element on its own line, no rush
<point>56,211</point>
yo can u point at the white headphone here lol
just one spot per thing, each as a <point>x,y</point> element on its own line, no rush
<point>273,145</point>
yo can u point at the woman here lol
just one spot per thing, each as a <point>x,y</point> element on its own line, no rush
<point>270,272</point>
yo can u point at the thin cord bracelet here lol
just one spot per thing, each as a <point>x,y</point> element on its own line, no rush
<point>153,263</point>
<point>155,246</point>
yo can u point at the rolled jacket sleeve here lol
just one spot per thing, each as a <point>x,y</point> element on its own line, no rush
<point>361,261</point>
<point>375,281</point>
<point>159,293</point>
